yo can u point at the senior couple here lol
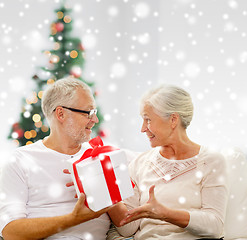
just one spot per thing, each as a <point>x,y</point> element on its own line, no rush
<point>180,190</point>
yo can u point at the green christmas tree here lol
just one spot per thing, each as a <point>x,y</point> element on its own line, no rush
<point>65,59</point>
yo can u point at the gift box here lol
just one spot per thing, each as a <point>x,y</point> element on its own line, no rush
<point>102,174</point>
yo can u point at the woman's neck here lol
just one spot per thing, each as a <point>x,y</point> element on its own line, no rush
<point>180,148</point>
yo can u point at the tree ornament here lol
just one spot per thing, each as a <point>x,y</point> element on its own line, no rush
<point>65,58</point>
<point>102,133</point>
<point>76,71</point>
<point>20,133</point>
<point>16,126</point>
<point>96,93</point>
<point>81,47</point>
<point>59,26</point>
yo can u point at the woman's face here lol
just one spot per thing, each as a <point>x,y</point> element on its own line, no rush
<point>158,129</point>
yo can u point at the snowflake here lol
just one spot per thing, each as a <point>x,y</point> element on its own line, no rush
<point>107,117</point>
<point>192,70</point>
<point>133,57</point>
<point>143,188</point>
<point>144,38</point>
<point>112,87</point>
<point>233,4</point>
<point>89,41</point>
<point>142,10</point>
<point>88,236</point>
<point>113,11</point>
<point>181,200</point>
<point>55,190</point>
<point>118,70</point>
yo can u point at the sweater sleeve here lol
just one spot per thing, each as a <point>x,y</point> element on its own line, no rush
<point>209,220</point>
<point>132,202</point>
<point>13,189</point>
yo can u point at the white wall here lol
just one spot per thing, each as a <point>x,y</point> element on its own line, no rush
<point>132,45</point>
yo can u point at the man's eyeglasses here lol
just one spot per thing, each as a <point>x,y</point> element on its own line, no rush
<point>90,113</point>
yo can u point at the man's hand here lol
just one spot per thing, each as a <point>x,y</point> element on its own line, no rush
<point>81,213</point>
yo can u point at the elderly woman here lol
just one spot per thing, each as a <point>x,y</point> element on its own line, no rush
<point>180,190</point>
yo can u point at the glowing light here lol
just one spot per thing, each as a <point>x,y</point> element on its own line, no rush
<point>90,199</point>
<point>50,81</point>
<point>89,41</point>
<point>210,69</point>
<point>144,38</point>
<point>27,134</point>
<point>142,10</point>
<point>113,11</point>
<point>199,174</point>
<point>73,54</point>
<point>40,94</point>
<point>26,114</point>
<point>44,128</point>
<point>60,15</point>
<point>167,177</point>
<point>76,71</point>
<point>2,196</point>
<point>16,142</point>
<point>123,167</point>
<point>32,98</point>
<point>88,236</point>
<point>192,70</point>
<point>55,190</point>
<point>48,53</point>
<point>107,117</point>
<point>33,133</point>
<point>53,29</point>
<point>14,135</point>
<point>56,46</point>
<point>143,188</point>
<point>67,19</point>
<point>29,142</point>
<point>118,69</point>
<point>36,118</point>
<point>54,59</point>
<point>182,200</point>
<point>38,124</point>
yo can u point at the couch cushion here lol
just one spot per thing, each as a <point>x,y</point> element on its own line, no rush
<point>236,215</point>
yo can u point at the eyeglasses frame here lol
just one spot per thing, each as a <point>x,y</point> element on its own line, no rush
<point>90,113</point>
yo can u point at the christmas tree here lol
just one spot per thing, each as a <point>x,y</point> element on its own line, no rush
<point>66,58</point>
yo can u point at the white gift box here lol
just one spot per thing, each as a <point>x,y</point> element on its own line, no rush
<point>105,179</point>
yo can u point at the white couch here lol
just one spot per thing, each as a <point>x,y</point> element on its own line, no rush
<point>236,215</point>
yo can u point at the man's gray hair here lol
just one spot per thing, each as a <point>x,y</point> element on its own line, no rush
<point>61,93</point>
<point>168,99</point>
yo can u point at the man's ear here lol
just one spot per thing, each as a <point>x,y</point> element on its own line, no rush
<point>174,118</point>
<point>60,114</point>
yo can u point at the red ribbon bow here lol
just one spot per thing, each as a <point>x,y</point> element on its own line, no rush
<point>99,148</point>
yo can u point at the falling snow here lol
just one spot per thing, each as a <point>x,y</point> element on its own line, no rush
<point>131,46</point>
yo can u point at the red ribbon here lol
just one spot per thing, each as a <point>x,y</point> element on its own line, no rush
<point>99,148</point>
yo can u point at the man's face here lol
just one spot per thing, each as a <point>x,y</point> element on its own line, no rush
<point>78,126</point>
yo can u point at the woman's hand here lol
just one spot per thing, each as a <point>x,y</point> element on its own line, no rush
<point>152,209</point>
<point>155,210</point>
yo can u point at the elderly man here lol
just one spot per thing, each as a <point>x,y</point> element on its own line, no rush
<point>35,203</point>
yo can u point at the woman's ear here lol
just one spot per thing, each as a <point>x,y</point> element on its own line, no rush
<point>174,118</point>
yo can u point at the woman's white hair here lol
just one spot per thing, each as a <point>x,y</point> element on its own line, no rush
<point>61,93</point>
<point>168,99</point>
